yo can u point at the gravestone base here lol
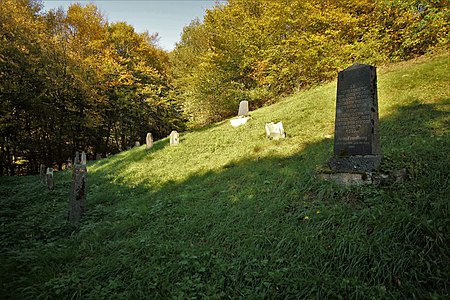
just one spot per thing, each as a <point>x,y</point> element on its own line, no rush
<point>348,178</point>
<point>361,163</point>
<point>377,178</point>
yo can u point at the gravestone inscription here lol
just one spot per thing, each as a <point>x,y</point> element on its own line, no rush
<point>356,137</point>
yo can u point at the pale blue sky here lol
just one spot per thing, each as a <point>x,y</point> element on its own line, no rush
<point>166,17</point>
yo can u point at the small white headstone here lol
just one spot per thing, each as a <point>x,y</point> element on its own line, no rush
<point>137,144</point>
<point>149,141</point>
<point>174,138</point>
<point>243,108</point>
<point>275,130</point>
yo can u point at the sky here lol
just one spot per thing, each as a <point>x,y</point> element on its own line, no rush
<point>166,17</point>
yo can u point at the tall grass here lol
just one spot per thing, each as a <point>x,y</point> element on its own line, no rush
<point>230,214</point>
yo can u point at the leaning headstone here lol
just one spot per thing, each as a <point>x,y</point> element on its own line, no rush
<point>50,182</point>
<point>137,144</point>
<point>275,131</point>
<point>174,138</point>
<point>243,108</point>
<point>77,198</point>
<point>149,141</point>
<point>356,137</point>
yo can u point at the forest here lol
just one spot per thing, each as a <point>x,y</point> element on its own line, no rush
<point>71,80</point>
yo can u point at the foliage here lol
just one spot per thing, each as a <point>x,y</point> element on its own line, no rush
<point>258,50</point>
<point>71,81</point>
<point>231,214</point>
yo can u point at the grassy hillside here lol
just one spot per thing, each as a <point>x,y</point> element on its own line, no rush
<point>230,214</point>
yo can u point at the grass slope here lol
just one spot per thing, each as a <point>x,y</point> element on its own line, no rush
<point>230,214</point>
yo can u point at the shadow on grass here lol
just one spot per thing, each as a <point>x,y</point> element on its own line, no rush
<point>257,228</point>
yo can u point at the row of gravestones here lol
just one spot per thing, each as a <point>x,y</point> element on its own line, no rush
<point>174,140</point>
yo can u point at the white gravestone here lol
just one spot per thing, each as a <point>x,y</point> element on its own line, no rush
<point>243,108</point>
<point>149,141</point>
<point>174,138</point>
<point>275,130</point>
<point>137,144</point>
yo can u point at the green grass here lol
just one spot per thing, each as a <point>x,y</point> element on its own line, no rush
<point>230,214</point>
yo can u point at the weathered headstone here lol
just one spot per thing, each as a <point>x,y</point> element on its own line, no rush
<point>356,137</point>
<point>137,144</point>
<point>275,131</point>
<point>50,182</point>
<point>174,138</point>
<point>83,158</point>
<point>98,156</point>
<point>77,199</point>
<point>77,158</point>
<point>149,141</point>
<point>243,108</point>
<point>69,164</point>
<point>42,174</point>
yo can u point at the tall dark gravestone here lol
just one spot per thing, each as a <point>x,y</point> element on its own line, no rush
<point>356,136</point>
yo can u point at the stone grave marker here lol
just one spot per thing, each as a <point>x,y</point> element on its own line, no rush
<point>77,199</point>
<point>275,131</point>
<point>243,108</point>
<point>69,163</point>
<point>149,141</point>
<point>356,137</point>
<point>174,138</point>
<point>137,144</point>
<point>50,182</point>
<point>42,174</point>
<point>98,156</point>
